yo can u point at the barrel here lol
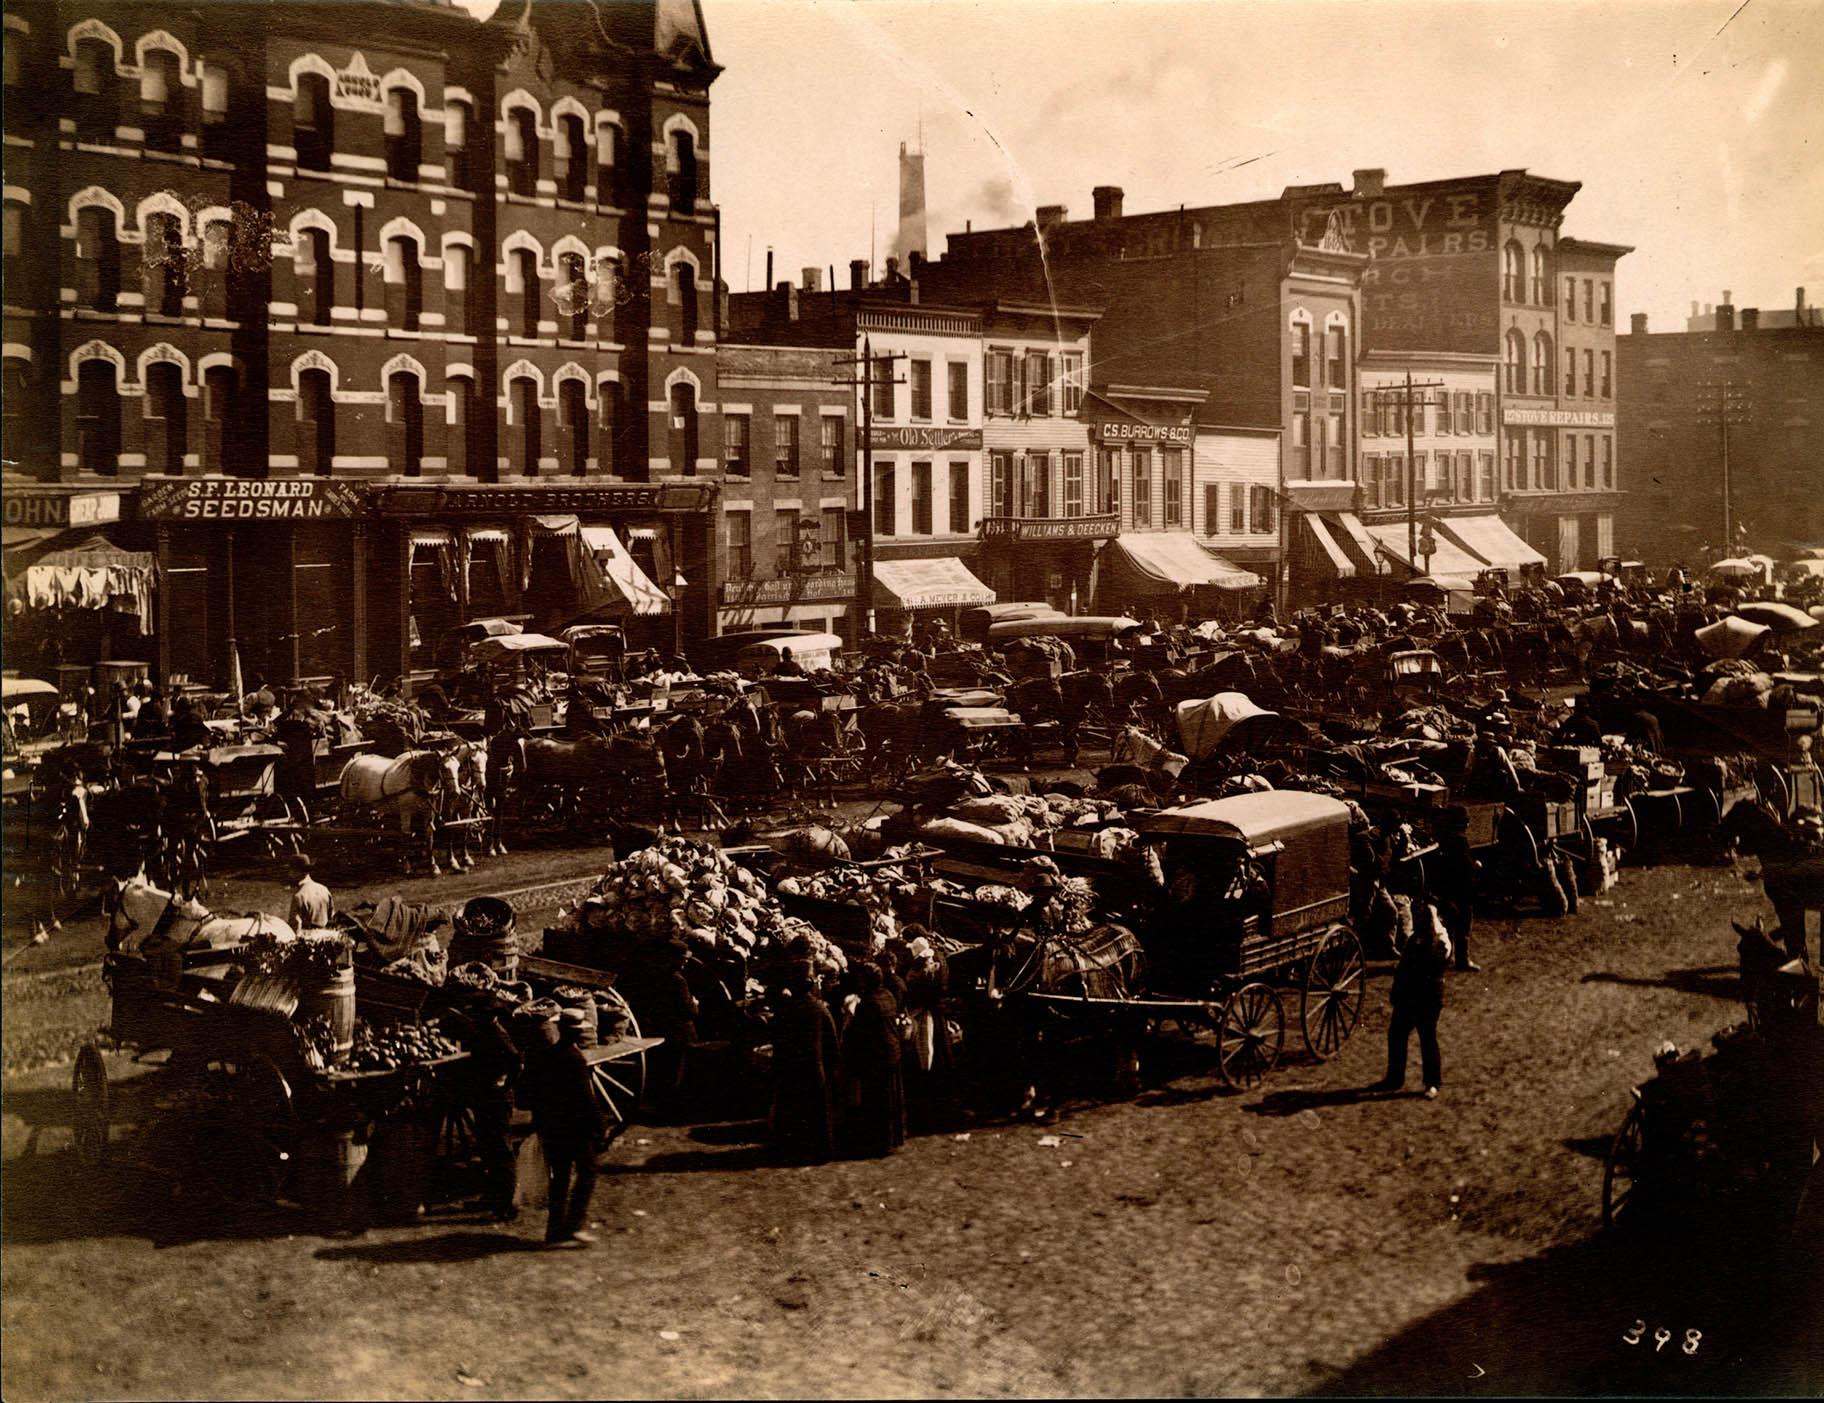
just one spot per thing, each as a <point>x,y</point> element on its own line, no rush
<point>335,996</point>
<point>485,934</point>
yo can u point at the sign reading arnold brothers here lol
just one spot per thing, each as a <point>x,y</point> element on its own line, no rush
<point>249,499</point>
<point>1433,284</point>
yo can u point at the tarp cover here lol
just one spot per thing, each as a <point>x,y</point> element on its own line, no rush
<point>1730,637</point>
<point>927,584</point>
<point>1166,562</point>
<point>639,594</point>
<point>1491,538</point>
<point>1204,722</point>
<point>1781,618</point>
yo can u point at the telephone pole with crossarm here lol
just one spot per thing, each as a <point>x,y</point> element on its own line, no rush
<point>1403,394</point>
<point>872,369</point>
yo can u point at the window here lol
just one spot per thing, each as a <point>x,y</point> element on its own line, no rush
<point>1541,287</point>
<point>1334,449</point>
<point>684,447</point>
<point>1511,274</point>
<point>681,166</point>
<point>1485,413</point>
<point>886,513</point>
<point>1608,462</point>
<point>1108,479</point>
<point>1485,470</point>
<point>1000,484</point>
<point>1301,354</point>
<point>166,266</point>
<point>526,439</point>
<point>1212,509</point>
<point>166,418</point>
<point>96,105</point>
<point>1071,383</point>
<point>608,395</point>
<point>1000,382</point>
<point>835,534</point>
<point>685,286</point>
<point>316,274</point>
<point>957,401</point>
<point>1073,484</point>
<point>457,122</point>
<point>736,432</point>
<point>573,427</point>
<point>313,122</point>
<point>1570,370</point>
<point>520,150</point>
<point>1336,368</point>
<point>1466,413</point>
<point>316,423</point>
<point>1589,373</point>
<point>12,233</point>
<point>785,445</point>
<point>740,544</point>
<point>1516,363</point>
<point>1260,509</point>
<point>1037,501</point>
<point>829,430</point>
<point>1143,487</point>
<point>1424,477</point>
<point>220,392</point>
<point>404,284</point>
<point>1513,466</point>
<point>883,388</point>
<point>1589,300</point>
<point>1607,316</point>
<point>1465,489</point>
<point>1545,467</point>
<point>98,258</point>
<point>610,163</point>
<point>1570,299</point>
<point>959,499</point>
<point>574,302</point>
<point>360,258</point>
<point>1171,461</point>
<point>1301,443</point>
<point>404,132</point>
<point>1608,373</point>
<point>921,499</point>
<point>456,314</point>
<point>1542,364</point>
<point>161,100</point>
<point>785,541</point>
<point>15,61</point>
<point>570,149</point>
<point>1238,509</point>
<point>460,423</point>
<point>522,278</point>
<point>1589,460</point>
<point>405,423</point>
<point>1038,383</point>
<point>918,372</point>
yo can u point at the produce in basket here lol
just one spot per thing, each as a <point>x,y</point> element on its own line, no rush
<point>398,1045</point>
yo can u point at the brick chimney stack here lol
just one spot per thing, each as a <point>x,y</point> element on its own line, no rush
<point>858,274</point>
<point>1107,200</point>
<point>1638,323</point>
<point>1725,312</point>
<point>1751,319</point>
<point>1370,184</point>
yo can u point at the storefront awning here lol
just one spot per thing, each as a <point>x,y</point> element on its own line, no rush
<point>1492,539</point>
<point>1448,559</point>
<point>938,583</point>
<point>638,593</point>
<point>1340,566</point>
<point>93,574</point>
<point>1169,561</point>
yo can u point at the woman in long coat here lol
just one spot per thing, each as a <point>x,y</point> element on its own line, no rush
<point>804,1072</point>
<point>873,1069</point>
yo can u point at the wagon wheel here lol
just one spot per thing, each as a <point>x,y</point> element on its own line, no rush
<point>89,1087</point>
<point>619,1082</point>
<point>1773,788</point>
<point>1330,1004</point>
<point>1250,1034</point>
<point>1621,1181</point>
<point>243,1128</point>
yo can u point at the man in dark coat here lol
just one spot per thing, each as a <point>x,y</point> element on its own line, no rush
<point>874,1069</point>
<point>569,1131</point>
<point>493,1066</point>
<point>1418,999</point>
<point>296,733</point>
<point>1453,885</point>
<point>804,1071</point>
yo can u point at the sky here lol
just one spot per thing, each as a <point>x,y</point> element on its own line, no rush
<point>1695,126</point>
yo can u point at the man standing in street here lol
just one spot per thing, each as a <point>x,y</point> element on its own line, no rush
<point>311,904</point>
<point>569,1132</point>
<point>1418,999</point>
<point>1454,886</point>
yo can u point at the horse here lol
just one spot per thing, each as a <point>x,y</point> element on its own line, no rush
<point>142,917</point>
<point>622,772</point>
<point>420,788</point>
<point>1792,872</point>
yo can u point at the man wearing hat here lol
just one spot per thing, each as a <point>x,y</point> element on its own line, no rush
<point>493,1064</point>
<point>1453,885</point>
<point>569,1127</point>
<point>312,907</point>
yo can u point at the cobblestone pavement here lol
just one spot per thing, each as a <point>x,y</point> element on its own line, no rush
<point>1303,1237</point>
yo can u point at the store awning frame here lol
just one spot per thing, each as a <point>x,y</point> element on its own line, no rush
<point>636,589</point>
<point>1339,559</point>
<point>1491,539</point>
<point>1173,561</point>
<point>939,582</point>
<point>1448,559</point>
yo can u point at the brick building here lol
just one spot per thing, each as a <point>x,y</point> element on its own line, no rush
<point>468,267</point>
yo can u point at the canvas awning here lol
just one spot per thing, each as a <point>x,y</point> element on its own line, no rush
<point>639,594</point>
<point>941,582</point>
<point>1170,561</point>
<point>1340,566</point>
<point>1492,539</point>
<point>1448,559</point>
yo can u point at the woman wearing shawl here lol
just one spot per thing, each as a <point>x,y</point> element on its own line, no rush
<point>804,1071</point>
<point>930,1058</point>
<point>873,1069</point>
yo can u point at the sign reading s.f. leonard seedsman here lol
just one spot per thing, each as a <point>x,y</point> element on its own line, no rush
<point>249,499</point>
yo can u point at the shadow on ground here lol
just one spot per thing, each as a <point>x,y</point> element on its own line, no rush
<point>1704,981</point>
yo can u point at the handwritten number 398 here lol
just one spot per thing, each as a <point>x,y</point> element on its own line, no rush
<point>1661,1337</point>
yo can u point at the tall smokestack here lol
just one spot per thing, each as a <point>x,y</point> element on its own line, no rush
<point>910,237</point>
<point>769,265</point>
<point>858,274</point>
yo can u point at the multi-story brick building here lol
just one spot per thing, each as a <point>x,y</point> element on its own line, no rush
<point>1676,390</point>
<point>467,266</point>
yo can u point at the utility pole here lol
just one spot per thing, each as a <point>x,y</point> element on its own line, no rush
<point>868,379</point>
<point>1403,394</point>
<point>1724,403</point>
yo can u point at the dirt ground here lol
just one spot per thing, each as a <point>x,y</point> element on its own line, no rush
<point>1305,1237</point>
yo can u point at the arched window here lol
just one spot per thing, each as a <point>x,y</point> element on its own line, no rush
<point>460,422</point>
<point>611,294</point>
<point>316,423</point>
<point>1512,272</point>
<point>1301,354</point>
<point>97,258</point>
<point>316,274</point>
<point>166,267</point>
<point>570,148</point>
<point>16,419</point>
<point>213,90</point>
<point>313,122</point>
<point>610,163</point>
<point>218,293</point>
<point>522,405</point>
<point>98,417</point>
<point>1542,285</point>
<point>221,392</point>
<point>167,417</point>
<point>404,282</point>
<point>97,102</point>
<point>573,296</point>
<point>161,100</point>
<point>1516,363</point>
<point>684,293</point>
<point>404,133</point>
<point>607,438</point>
<point>404,423</point>
<point>456,288</point>
<point>684,428</point>
<point>681,165</point>
<point>573,427</point>
<point>457,122</point>
<point>521,151</point>
<point>522,281</point>
<point>1542,364</point>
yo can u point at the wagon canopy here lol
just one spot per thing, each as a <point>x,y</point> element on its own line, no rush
<point>1271,816</point>
<point>1730,637</point>
<point>1205,724</point>
<point>508,645</point>
<point>1781,618</point>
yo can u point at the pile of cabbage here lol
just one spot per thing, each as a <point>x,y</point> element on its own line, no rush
<point>684,890</point>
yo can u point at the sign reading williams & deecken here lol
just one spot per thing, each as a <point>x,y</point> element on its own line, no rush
<point>1559,418</point>
<point>249,499</point>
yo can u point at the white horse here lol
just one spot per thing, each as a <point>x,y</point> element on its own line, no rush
<point>423,789</point>
<point>143,915</point>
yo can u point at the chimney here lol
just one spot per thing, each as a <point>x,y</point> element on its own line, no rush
<point>1694,306</point>
<point>1107,200</point>
<point>769,266</point>
<point>1638,323</point>
<point>1725,312</point>
<point>915,263</point>
<point>1050,215</point>
<point>892,271</point>
<point>1751,319</point>
<point>858,274</point>
<point>788,298</point>
<point>1370,184</point>
<point>811,279</point>
<point>1798,307</point>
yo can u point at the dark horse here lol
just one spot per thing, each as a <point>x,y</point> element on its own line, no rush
<point>1792,871</point>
